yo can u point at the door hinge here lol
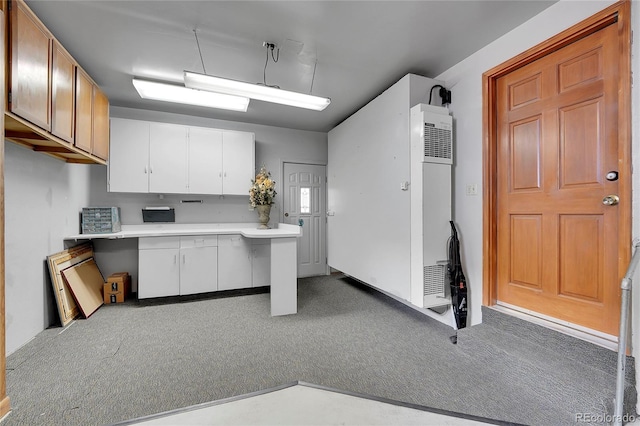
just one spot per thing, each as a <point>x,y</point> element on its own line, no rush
<point>9,96</point>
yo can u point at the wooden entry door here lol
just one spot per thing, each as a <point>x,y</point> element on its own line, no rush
<point>556,160</point>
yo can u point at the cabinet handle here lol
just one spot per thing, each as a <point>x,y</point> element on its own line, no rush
<point>225,174</point>
<point>145,170</point>
<point>175,259</point>
<point>183,259</point>
<point>220,174</point>
<point>150,169</point>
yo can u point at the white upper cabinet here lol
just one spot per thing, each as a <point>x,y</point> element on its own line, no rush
<point>238,147</point>
<point>167,158</point>
<point>173,159</point>
<point>129,156</point>
<point>205,161</point>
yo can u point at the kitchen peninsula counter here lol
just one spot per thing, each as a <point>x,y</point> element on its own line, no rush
<point>283,251</point>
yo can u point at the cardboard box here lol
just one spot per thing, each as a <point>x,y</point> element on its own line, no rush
<point>114,297</point>
<point>117,287</point>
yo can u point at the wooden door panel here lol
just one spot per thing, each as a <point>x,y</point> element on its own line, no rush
<point>581,143</point>
<point>584,68</point>
<point>525,91</point>
<point>526,250</point>
<point>525,151</point>
<point>557,139</point>
<point>582,256</point>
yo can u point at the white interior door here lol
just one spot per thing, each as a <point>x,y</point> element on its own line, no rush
<point>304,204</point>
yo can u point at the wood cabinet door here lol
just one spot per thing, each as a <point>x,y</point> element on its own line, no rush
<point>167,159</point>
<point>238,158</point>
<point>30,86</point>
<point>205,161</point>
<point>100,124</point>
<point>62,94</point>
<point>84,111</point>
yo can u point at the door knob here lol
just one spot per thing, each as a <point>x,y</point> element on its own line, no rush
<point>611,200</point>
<point>286,215</point>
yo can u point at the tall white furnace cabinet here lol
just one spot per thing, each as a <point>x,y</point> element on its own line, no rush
<point>379,207</point>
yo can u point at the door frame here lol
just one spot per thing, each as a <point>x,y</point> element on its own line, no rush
<point>618,13</point>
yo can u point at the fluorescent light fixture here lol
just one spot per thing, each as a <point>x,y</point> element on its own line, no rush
<point>254,91</point>
<point>183,95</point>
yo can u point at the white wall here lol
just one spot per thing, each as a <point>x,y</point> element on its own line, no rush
<point>43,197</point>
<point>465,81</point>
<point>369,235</point>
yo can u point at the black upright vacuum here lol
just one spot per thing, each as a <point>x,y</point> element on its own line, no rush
<point>457,282</point>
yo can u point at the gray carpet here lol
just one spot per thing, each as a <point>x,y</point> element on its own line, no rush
<point>136,359</point>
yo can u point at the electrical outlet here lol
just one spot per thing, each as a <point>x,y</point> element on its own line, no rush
<point>472,189</point>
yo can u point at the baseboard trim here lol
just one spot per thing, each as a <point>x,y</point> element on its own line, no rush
<point>5,408</point>
<point>592,336</point>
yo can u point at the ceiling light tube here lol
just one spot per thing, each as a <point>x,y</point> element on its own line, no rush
<point>254,91</point>
<point>183,95</point>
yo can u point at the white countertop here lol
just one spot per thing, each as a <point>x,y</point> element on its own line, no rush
<point>248,230</point>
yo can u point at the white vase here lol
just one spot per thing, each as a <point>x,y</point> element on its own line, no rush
<point>263,216</point>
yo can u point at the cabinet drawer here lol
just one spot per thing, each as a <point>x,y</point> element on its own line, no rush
<point>158,243</point>
<point>198,241</point>
<point>230,240</point>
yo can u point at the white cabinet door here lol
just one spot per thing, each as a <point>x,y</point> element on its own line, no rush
<point>158,273</point>
<point>238,151</point>
<point>205,161</point>
<point>234,262</point>
<point>198,264</point>
<point>261,263</point>
<point>129,156</point>
<point>167,158</point>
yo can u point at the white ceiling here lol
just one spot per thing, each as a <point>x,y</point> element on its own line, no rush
<point>361,47</point>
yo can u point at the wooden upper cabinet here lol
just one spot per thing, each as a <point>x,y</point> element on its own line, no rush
<point>54,106</point>
<point>30,86</point>
<point>92,117</point>
<point>84,111</point>
<point>62,94</point>
<point>100,124</point>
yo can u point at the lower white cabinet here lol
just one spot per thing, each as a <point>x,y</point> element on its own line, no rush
<point>181,265</point>
<point>158,267</point>
<point>234,262</point>
<point>172,266</point>
<point>261,262</point>
<point>198,264</point>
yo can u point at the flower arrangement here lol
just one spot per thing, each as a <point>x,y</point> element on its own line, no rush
<point>263,189</point>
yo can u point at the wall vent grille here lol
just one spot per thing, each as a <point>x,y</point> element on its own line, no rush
<point>434,276</point>
<point>437,142</point>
